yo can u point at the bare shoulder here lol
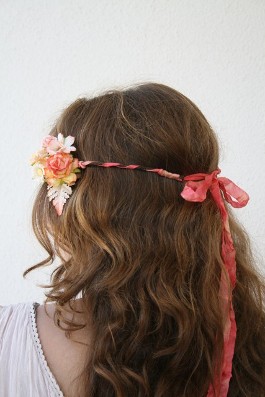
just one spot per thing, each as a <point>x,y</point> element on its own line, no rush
<point>64,357</point>
<point>51,333</point>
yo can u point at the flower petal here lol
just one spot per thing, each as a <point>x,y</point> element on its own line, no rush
<point>60,138</point>
<point>69,140</point>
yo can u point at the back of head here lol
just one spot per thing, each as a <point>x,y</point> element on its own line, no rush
<point>146,262</point>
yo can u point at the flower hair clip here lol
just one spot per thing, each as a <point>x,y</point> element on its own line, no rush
<point>55,165</point>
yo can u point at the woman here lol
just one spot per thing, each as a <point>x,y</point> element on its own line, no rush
<point>153,296</point>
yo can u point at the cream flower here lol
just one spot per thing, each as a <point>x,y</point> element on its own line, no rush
<point>66,143</point>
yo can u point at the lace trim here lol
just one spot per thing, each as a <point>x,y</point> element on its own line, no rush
<point>40,350</point>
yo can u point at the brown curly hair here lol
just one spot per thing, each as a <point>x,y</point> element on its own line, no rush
<point>145,261</point>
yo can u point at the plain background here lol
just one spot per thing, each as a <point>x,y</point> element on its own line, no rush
<point>57,50</point>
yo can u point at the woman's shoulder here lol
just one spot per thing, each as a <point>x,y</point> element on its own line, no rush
<point>57,348</point>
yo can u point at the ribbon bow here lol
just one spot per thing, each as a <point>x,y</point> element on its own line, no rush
<point>195,190</point>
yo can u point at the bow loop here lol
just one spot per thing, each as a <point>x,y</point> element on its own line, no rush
<point>232,191</point>
<point>195,189</point>
<point>197,186</point>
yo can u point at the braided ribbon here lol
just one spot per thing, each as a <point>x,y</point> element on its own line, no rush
<point>196,189</point>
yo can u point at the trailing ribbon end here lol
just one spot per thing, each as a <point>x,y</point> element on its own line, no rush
<point>195,190</point>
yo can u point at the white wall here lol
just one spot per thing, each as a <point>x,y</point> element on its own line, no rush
<point>54,51</point>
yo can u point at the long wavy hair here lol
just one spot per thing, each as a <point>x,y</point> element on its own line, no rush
<point>146,262</point>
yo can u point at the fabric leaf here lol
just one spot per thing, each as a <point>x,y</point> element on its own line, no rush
<point>59,195</point>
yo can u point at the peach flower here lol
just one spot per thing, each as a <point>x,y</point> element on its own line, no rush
<point>61,167</point>
<point>60,164</point>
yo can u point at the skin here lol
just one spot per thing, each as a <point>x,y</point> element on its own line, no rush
<point>64,357</point>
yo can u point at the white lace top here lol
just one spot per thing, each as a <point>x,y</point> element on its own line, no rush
<point>24,371</point>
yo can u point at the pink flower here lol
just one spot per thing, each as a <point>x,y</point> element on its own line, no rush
<point>51,144</point>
